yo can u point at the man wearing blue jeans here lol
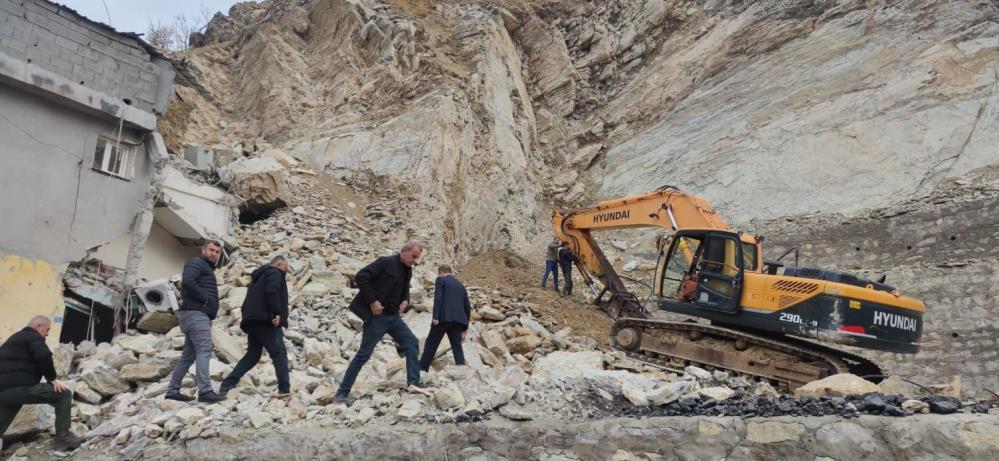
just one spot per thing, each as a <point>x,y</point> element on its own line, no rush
<point>383,295</point>
<point>199,307</point>
<point>551,263</point>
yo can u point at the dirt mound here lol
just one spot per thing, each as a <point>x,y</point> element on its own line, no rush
<point>514,275</point>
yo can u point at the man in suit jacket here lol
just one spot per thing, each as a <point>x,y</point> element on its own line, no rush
<point>451,313</point>
<point>265,312</point>
<point>383,295</point>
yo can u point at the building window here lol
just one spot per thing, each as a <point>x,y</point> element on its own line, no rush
<point>114,158</point>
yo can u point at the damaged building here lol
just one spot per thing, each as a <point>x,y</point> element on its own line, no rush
<point>91,206</point>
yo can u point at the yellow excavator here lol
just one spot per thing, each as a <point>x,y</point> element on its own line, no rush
<point>762,320</point>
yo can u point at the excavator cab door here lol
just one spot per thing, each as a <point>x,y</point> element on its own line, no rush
<point>719,272</point>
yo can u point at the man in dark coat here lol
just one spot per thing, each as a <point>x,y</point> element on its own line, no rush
<point>383,295</point>
<point>24,360</point>
<point>265,313</point>
<point>565,260</point>
<point>551,263</point>
<point>451,313</point>
<point>199,307</point>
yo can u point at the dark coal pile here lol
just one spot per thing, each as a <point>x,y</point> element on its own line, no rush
<point>847,407</point>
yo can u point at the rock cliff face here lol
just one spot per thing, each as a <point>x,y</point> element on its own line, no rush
<point>478,117</point>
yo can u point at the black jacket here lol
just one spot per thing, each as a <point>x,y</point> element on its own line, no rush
<point>386,280</point>
<point>565,259</point>
<point>266,297</point>
<point>24,359</point>
<point>451,301</point>
<point>201,291</point>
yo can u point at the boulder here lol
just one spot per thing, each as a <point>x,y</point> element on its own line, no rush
<point>449,397</point>
<point>260,182</point>
<point>838,385</point>
<point>569,365</point>
<point>894,385</point>
<point>227,347</point>
<point>103,379</point>
<point>62,358</point>
<point>189,415</point>
<point>491,313</point>
<point>145,371</point>
<point>315,289</point>
<point>84,393</point>
<point>411,410</point>
<point>671,392</point>
<point>493,341</point>
<point>32,419</point>
<point>157,322</point>
<point>523,344</point>
<point>717,393</point>
<point>698,373</point>
<point>140,344</point>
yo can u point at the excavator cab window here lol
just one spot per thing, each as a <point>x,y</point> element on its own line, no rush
<point>678,265</point>
<point>719,273</point>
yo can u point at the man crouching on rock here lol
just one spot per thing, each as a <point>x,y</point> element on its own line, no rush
<point>383,296</point>
<point>24,359</point>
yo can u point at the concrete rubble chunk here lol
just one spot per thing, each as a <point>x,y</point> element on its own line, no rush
<point>491,313</point>
<point>895,385</point>
<point>189,415</point>
<point>411,410</point>
<point>698,373</point>
<point>838,385</point>
<point>672,391</point>
<point>516,413</point>
<point>83,392</point>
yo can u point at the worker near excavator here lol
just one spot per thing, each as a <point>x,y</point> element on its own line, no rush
<point>24,360</point>
<point>551,263</point>
<point>383,295</point>
<point>565,260</point>
<point>452,311</point>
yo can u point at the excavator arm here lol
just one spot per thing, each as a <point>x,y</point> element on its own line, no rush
<point>665,207</point>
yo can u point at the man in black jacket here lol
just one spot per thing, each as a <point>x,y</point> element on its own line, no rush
<point>451,313</point>
<point>383,295</point>
<point>24,360</point>
<point>199,307</point>
<point>565,260</point>
<point>265,312</point>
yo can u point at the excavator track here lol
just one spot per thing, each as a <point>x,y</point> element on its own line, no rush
<point>787,362</point>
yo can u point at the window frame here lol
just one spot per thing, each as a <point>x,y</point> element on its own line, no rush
<point>126,152</point>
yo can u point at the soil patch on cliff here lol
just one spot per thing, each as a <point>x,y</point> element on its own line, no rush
<point>515,276</point>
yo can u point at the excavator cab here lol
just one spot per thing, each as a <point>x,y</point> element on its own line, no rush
<point>703,267</point>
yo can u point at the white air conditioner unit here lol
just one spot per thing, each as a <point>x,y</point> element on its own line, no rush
<point>158,296</point>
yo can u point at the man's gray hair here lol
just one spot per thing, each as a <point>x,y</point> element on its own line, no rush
<point>38,321</point>
<point>278,260</point>
<point>214,243</point>
<point>412,245</point>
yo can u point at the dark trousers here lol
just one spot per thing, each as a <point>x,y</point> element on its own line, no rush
<point>551,267</point>
<point>567,276</point>
<point>12,399</point>
<point>373,332</point>
<point>453,331</point>
<point>258,338</point>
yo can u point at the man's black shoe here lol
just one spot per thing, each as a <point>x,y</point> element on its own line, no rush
<point>178,397</point>
<point>225,388</point>
<point>210,397</point>
<point>344,399</point>
<point>420,385</point>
